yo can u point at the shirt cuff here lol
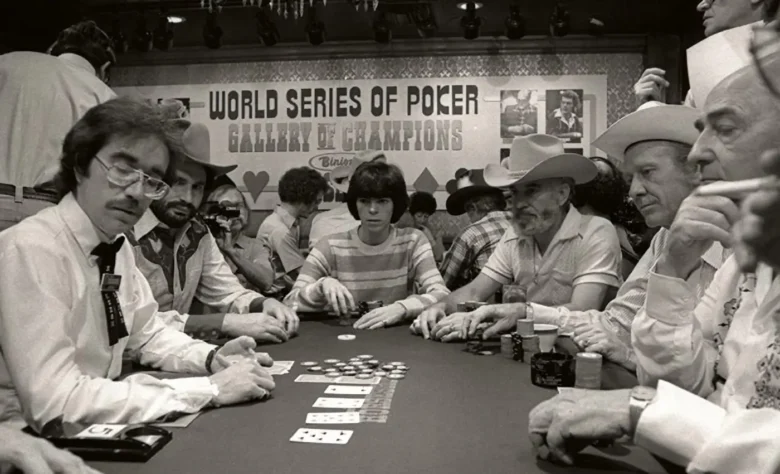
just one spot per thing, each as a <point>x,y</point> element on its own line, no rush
<point>608,279</point>
<point>497,277</point>
<point>206,327</point>
<point>193,393</point>
<point>677,424</point>
<point>545,314</point>
<point>669,300</point>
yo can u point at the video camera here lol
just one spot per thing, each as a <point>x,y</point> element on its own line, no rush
<point>216,215</point>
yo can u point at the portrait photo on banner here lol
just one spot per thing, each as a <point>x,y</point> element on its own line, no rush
<point>519,113</point>
<point>565,114</point>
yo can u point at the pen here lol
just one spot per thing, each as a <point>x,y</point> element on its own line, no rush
<point>739,188</point>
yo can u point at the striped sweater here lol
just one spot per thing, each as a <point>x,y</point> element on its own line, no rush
<point>390,271</point>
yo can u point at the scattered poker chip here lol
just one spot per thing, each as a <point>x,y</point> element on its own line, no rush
<point>331,370</point>
<point>350,373</point>
<point>364,376</point>
<point>396,376</point>
<point>332,361</point>
<point>367,371</point>
<point>346,337</point>
<point>380,373</point>
<point>348,368</point>
<point>388,367</point>
<point>308,363</point>
<point>354,359</point>
<point>397,363</point>
<point>365,357</point>
<point>316,368</point>
<point>373,362</point>
<point>485,353</point>
<point>332,374</point>
<point>340,364</point>
<point>397,372</point>
<point>402,367</point>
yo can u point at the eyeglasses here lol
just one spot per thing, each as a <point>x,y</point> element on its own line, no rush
<point>765,50</point>
<point>123,176</point>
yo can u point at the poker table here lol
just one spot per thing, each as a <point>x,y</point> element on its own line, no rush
<point>455,412</point>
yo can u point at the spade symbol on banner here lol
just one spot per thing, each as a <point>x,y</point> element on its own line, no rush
<point>255,183</point>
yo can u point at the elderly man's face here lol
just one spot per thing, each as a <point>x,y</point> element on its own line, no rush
<point>739,123</point>
<point>721,15</point>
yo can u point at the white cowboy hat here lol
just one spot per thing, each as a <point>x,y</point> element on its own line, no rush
<point>537,157</point>
<point>196,145</point>
<point>652,121</point>
<point>467,184</point>
<point>339,177</point>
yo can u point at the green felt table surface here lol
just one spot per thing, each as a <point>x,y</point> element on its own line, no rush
<point>455,412</point>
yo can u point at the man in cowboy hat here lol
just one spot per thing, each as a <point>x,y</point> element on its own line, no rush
<point>561,256</point>
<point>182,261</point>
<point>339,219</point>
<point>485,207</point>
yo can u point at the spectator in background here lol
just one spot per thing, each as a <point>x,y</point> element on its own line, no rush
<point>42,97</point>
<point>422,205</point>
<point>485,207</point>
<point>301,191</point>
<point>607,197</point>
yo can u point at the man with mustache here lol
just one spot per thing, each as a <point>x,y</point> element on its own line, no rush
<point>563,258</point>
<point>72,301</point>
<point>182,260</point>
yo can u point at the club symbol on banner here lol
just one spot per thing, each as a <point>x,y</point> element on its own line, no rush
<point>255,183</point>
<point>426,182</point>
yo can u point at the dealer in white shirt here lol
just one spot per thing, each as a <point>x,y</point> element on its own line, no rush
<point>717,404</point>
<point>60,352</point>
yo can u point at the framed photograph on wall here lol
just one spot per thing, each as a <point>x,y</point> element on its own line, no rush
<point>564,113</point>
<point>519,113</point>
<point>504,154</point>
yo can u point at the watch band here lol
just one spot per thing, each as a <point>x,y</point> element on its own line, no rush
<point>639,399</point>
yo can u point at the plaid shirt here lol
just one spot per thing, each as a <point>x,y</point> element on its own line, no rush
<point>472,248</point>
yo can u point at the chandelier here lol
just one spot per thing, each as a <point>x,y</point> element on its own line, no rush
<point>285,8</point>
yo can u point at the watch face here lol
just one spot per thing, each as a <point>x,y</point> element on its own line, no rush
<point>642,393</point>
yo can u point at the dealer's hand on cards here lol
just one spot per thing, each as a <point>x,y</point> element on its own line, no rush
<point>241,382</point>
<point>566,424</point>
<point>259,326</point>
<point>34,455</point>
<point>427,320</point>
<point>385,316</point>
<point>338,296</point>
<point>237,350</point>
<point>650,86</point>
<point>700,221</point>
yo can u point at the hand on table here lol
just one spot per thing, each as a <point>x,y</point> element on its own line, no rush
<point>33,455</point>
<point>594,338</point>
<point>385,316</point>
<point>700,221</point>
<point>237,350</point>
<point>286,316</point>
<point>259,326</point>
<point>241,382</point>
<point>339,297</point>
<point>567,424</point>
<point>649,85</point>
<point>427,320</point>
<point>504,316</point>
<point>449,329</point>
<point>757,234</point>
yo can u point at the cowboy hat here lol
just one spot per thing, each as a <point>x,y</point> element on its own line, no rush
<point>196,145</point>
<point>467,184</point>
<point>652,121</point>
<point>340,176</point>
<point>537,157</point>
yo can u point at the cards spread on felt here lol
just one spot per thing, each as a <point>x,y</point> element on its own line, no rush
<point>308,435</point>
<point>313,378</point>
<point>348,418</point>
<point>327,402</point>
<point>347,390</point>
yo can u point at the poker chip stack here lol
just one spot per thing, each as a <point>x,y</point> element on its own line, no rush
<point>361,367</point>
<point>507,346</point>
<point>525,327</point>
<point>517,346</point>
<point>587,371</point>
<point>530,347</point>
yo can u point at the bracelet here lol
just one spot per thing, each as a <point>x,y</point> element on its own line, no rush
<point>210,359</point>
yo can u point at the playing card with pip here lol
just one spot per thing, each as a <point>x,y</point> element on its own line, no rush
<point>309,435</point>
<point>327,402</point>
<point>348,390</point>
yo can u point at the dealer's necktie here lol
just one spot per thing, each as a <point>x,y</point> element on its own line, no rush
<point>109,283</point>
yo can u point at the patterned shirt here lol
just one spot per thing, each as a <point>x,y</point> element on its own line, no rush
<point>388,272</point>
<point>472,248</point>
<point>186,264</point>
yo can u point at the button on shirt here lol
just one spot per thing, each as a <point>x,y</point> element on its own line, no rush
<point>56,360</point>
<point>42,96</point>
<point>186,264</point>
<point>584,250</point>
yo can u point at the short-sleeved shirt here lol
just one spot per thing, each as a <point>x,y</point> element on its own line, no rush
<point>253,251</point>
<point>280,232</point>
<point>585,249</point>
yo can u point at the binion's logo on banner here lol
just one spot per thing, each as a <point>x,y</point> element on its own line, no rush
<point>331,161</point>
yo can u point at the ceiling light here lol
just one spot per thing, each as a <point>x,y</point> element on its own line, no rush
<point>176,19</point>
<point>212,33</point>
<point>559,21</point>
<point>515,24</point>
<point>465,5</point>
<point>315,29</point>
<point>382,31</point>
<point>266,28</point>
<point>470,22</point>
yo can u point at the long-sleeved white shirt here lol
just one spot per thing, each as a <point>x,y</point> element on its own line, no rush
<point>56,360</point>
<point>42,96</point>
<point>726,349</point>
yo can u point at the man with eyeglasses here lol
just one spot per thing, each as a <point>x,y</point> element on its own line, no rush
<point>42,96</point>
<point>182,261</point>
<point>72,300</point>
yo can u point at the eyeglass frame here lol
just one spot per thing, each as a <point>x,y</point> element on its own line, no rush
<point>755,48</point>
<point>143,177</point>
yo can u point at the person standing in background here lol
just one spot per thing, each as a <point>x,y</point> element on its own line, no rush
<point>42,97</point>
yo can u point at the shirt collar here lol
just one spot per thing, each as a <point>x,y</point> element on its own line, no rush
<point>78,62</point>
<point>149,222</point>
<point>79,224</point>
<point>559,115</point>
<point>287,219</point>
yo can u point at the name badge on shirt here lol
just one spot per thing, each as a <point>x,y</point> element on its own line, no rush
<point>110,282</point>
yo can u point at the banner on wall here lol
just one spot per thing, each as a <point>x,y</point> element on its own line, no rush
<point>428,127</point>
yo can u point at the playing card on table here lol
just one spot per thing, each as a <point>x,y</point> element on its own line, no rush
<point>309,435</point>
<point>340,418</point>
<point>280,367</point>
<point>327,402</point>
<point>347,390</point>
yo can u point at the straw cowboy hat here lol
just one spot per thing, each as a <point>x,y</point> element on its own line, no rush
<point>196,145</point>
<point>467,184</point>
<point>537,157</point>
<point>339,177</point>
<point>652,121</point>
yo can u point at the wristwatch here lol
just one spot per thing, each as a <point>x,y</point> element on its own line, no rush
<point>640,398</point>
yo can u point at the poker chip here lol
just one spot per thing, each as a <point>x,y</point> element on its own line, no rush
<point>388,367</point>
<point>346,337</point>
<point>332,374</point>
<point>316,368</point>
<point>348,368</point>
<point>308,363</point>
<point>380,373</point>
<point>485,353</point>
<point>397,372</point>
<point>332,361</point>
<point>367,371</point>
<point>350,373</point>
<point>340,364</point>
<point>365,357</point>
<point>373,362</point>
<point>364,376</point>
<point>331,370</point>
<point>396,376</point>
<point>401,367</point>
<point>397,363</point>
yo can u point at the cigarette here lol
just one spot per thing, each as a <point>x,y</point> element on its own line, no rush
<point>739,188</point>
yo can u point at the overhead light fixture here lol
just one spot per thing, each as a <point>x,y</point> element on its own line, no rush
<point>596,27</point>
<point>465,5</point>
<point>424,20</point>
<point>470,22</point>
<point>315,29</point>
<point>382,32</point>
<point>175,19</point>
<point>142,40</point>
<point>163,34</point>
<point>559,21</point>
<point>212,33</point>
<point>266,28</point>
<point>118,39</point>
<point>515,23</point>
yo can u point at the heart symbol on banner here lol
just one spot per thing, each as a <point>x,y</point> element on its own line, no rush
<point>255,183</point>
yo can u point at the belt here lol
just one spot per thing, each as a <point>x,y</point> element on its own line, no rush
<point>29,193</point>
